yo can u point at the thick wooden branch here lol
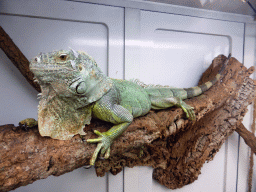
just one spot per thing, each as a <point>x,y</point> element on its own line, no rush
<point>176,147</point>
<point>17,57</point>
<point>248,137</point>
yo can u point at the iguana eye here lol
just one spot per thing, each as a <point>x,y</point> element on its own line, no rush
<point>37,59</point>
<point>63,57</point>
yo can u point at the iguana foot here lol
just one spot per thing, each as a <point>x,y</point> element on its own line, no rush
<point>190,114</point>
<point>28,123</point>
<point>104,143</point>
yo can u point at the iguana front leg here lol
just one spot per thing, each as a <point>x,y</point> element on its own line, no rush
<point>163,103</point>
<point>113,113</point>
<point>105,140</point>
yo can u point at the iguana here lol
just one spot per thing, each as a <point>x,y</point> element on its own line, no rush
<point>74,90</point>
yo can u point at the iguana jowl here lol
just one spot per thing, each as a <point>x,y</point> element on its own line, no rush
<point>74,89</point>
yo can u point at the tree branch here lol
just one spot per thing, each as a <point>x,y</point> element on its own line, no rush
<point>248,137</point>
<point>17,57</point>
<point>176,147</point>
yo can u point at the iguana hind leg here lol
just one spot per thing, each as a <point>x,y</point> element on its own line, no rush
<point>163,103</point>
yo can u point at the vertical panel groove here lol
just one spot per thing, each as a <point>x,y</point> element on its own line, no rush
<point>237,172</point>
<point>225,167</point>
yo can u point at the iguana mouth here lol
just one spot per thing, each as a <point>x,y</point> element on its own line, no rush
<point>46,72</point>
<point>49,68</point>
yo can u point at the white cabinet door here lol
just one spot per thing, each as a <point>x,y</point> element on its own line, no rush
<point>52,25</point>
<point>175,50</point>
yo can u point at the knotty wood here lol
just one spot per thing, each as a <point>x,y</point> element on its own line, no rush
<point>175,147</point>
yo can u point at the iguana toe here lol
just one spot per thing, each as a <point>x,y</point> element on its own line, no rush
<point>95,154</point>
<point>98,133</point>
<point>107,154</point>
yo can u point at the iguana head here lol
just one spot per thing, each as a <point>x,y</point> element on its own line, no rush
<point>77,73</point>
<point>70,81</point>
<point>52,66</point>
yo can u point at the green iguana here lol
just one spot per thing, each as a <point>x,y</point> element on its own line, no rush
<point>74,89</point>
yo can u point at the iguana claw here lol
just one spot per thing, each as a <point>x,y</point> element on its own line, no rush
<point>104,143</point>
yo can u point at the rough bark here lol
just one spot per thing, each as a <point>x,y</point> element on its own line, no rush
<point>17,57</point>
<point>176,147</point>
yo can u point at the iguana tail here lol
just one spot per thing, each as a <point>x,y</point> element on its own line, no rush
<point>198,90</point>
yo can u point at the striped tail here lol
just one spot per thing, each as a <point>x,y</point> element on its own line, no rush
<point>198,90</point>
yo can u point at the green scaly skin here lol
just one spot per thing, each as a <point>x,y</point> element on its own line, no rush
<point>74,89</point>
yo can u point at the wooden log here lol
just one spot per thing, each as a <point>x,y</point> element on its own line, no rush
<point>176,147</point>
<point>17,57</point>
